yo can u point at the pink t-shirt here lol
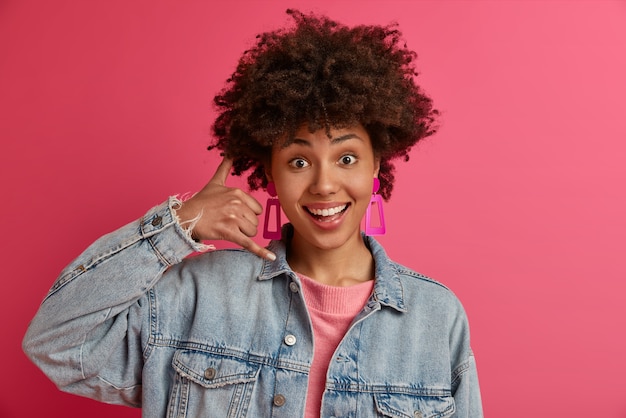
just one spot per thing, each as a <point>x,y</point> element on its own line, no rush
<point>332,310</point>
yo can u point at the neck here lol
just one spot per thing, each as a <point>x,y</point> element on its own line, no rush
<point>348,265</point>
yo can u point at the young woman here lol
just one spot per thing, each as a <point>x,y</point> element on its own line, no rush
<point>319,323</point>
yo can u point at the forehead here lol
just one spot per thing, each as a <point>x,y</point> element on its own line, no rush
<point>303,136</point>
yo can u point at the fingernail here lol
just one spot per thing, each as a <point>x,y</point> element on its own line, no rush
<point>270,256</point>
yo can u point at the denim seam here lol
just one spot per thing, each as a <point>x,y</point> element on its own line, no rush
<point>80,358</point>
<point>84,267</point>
<point>233,354</point>
<point>406,272</point>
<point>160,256</point>
<point>390,389</point>
<point>153,318</point>
<point>458,372</point>
<point>116,387</point>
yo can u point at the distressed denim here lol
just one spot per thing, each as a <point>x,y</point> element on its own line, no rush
<point>135,321</point>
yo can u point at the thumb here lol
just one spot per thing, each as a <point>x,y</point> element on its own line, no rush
<point>221,173</point>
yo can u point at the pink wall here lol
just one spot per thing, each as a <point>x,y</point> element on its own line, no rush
<point>517,204</point>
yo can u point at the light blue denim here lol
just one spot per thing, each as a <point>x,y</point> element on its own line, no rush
<point>135,321</point>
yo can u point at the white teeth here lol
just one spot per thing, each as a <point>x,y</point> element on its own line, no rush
<point>327,212</point>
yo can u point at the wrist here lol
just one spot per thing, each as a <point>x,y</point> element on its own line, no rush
<point>186,216</point>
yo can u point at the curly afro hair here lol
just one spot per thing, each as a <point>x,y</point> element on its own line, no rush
<point>324,74</point>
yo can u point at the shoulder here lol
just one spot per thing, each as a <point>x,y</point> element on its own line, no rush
<point>410,288</point>
<point>228,261</point>
<point>417,279</point>
<point>422,290</point>
<point>213,271</point>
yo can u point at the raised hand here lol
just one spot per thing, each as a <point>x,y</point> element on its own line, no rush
<point>226,213</point>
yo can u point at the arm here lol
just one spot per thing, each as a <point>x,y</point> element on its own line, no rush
<point>91,330</point>
<point>465,387</point>
<point>87,335</point>
<point>467,391</point>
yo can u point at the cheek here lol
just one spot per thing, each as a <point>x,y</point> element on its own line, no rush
<point>287,192</point>
<point>363,189</point>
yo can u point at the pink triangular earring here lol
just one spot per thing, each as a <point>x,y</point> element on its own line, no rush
<point>376,201</point>
<point>272,202</point>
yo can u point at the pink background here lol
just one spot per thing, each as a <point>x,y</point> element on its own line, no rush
<point>517,204</point>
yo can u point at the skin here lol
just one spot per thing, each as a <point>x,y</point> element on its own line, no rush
<point>312,174</point>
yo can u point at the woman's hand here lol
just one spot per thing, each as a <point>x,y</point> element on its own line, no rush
<point>226,213</point>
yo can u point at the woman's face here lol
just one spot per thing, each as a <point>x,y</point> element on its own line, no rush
<point>325,184</point>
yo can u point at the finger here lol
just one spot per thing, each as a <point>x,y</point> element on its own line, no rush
<point>247,227</point>
<point>240,199</point>
<point>250,218</point>
<point>255,248</point>
<point>252,203</point>
<point>242,205</point>
<point>244,221</point>
<point>221,173</point>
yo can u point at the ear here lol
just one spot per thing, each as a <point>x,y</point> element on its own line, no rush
<point>268,172</point>
<point>376,166</point>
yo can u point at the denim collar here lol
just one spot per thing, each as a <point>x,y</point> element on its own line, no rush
<point>387,289</point>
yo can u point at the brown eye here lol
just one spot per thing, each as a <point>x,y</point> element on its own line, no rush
<point>298,163</point>
<point>348,159</point>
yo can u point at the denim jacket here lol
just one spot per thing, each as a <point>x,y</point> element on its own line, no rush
<point>135,321</point>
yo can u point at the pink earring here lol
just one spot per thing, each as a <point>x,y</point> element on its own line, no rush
<point>272,202</point>
<point>376,201</point>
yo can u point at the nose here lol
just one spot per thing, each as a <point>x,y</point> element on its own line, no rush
<point>324,182</point>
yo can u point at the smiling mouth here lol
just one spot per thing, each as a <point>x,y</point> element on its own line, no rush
<point>327,214</point>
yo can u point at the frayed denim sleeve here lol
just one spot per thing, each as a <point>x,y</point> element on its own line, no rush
<point>90,331</point>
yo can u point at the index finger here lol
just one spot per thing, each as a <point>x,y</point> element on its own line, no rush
<point>221,173</point>
<point>255,248</point>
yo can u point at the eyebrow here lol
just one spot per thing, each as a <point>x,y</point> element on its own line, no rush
<point>333,141</point>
